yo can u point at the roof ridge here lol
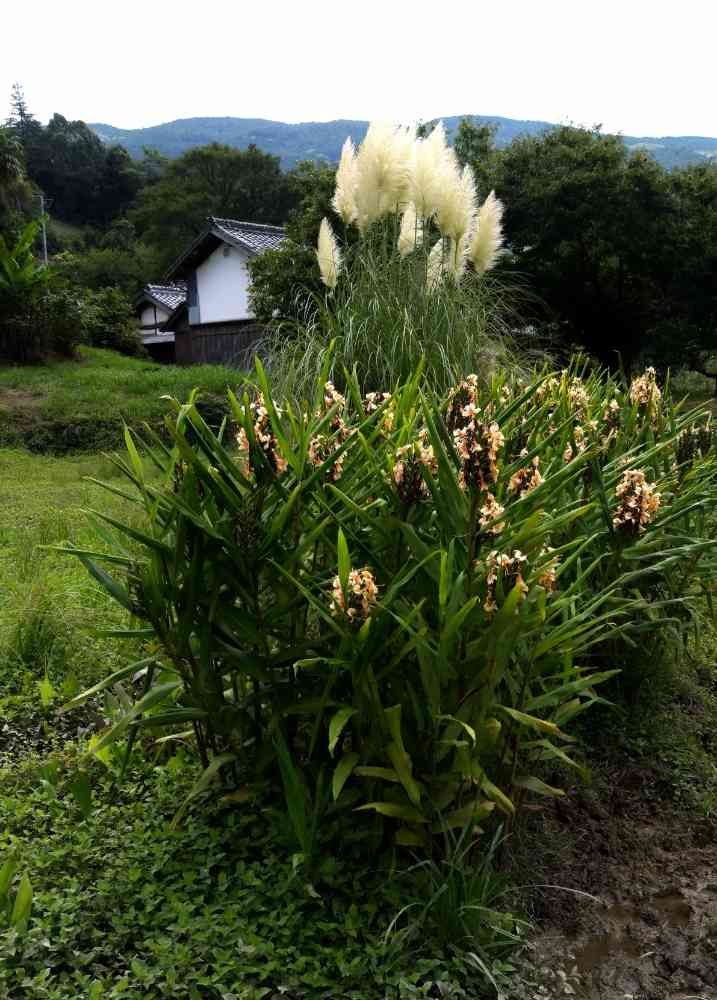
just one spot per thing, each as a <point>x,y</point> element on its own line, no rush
<point>247,225</point>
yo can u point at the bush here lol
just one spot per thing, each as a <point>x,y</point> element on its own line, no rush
<point>397,605</point>
<point>37,318</point>
<point>110,322</point>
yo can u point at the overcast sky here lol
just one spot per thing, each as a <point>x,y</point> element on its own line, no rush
<point>642,67</point>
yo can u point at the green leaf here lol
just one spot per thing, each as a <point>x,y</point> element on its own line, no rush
<point>82,793</point>
<point>342,772</point>
<point>496,795</point>
<point>395,811</point>
<point>384,773</point>
<point>20,915</point>
<point>531,721</point>
<point>118,675</point>
<point>204,781</point>
<point>153,697</point>
<point>47,691</point>
<point>474,812</point>
<point>337,724</point>
<point>344,559</point>
<point>536,785</point>
<point>404,769</point>
<point>7,874</point>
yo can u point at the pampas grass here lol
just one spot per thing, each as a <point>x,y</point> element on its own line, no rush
<point>413,289</point>
<point>328,255</point>
<point>487,239</point>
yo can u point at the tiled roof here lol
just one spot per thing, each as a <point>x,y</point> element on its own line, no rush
<point>169,296</point>
<point>253,236</point>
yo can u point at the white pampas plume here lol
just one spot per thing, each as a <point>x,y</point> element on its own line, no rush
<point>487,239</point>
<point>436,266</point>
<point>383,166</point>
<point>344,200</point>
<point>328,255</point>
<point>411,234</point>
<point>457,200</point>
<point>430,160</point>
<point>456,257</point>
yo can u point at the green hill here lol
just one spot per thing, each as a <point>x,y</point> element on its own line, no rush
<point>323,140</point>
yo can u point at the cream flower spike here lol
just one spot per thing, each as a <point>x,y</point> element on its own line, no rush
<point>411,234</point>
<point>328,255</point>
<point>487,239</point>
<point>344,200</point>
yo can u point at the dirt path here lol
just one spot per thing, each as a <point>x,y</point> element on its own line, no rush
<point>650,933</point>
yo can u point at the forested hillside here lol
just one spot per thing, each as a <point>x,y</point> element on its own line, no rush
<point>323,140</point>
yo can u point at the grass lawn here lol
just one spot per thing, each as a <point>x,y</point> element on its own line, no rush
<point>79,405</point>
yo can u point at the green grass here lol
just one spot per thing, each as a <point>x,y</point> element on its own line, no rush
<point>78,405</point>
<point>50,609</point>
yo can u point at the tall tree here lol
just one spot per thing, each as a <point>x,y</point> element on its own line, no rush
<point>211,180</point>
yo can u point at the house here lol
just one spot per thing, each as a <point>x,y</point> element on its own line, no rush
<point>153,306</point>
<point>215,322</point>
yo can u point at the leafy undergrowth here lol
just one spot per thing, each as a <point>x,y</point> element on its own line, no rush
<point>126,906</point>
<point>79,405</point>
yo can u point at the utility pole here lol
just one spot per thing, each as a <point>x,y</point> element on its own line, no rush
<point>44,228</point>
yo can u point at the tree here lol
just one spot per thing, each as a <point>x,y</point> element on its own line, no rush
<point>210,180</point>
<point>475,146</point>
<point>594,230</point>
<point>14,185</point>
<point>283,281</point>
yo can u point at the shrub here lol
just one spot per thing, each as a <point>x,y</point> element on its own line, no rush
<point>397,604</point>
<point>110,322</point>
<point>36,317</point>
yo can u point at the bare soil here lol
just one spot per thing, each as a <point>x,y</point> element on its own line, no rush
<point>648,928</point>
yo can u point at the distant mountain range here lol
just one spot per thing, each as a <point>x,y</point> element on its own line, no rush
<point>323,140</point>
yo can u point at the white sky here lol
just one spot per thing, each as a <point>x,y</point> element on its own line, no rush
<point>643,67</point>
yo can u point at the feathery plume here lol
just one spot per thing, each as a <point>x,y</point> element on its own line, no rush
<point>436,266</point>
<point>344,200</point>
<point>383,165</point>
<point>456,206</point>
<point>488,236</point>
<point>411,234</point>
<point>431,158</point>
<point>328,255</point>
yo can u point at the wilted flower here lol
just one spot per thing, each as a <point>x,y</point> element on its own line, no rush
<point>373,400</point>
<point>547,389</point>
<point>344,200</point>
<point>508,570</point>
<point>487,238</point>
<point>328,255</point>
<point>527,478</point>
<point>489,514</point>
<point>477,445</point>
<point>407,474</point>
<point>548,572</point>
<point>578,397</point>
<point>264,437</point>
<point>460,399</point>
<point>638,503</point>
<point>694,441</point>
<point>645,393</point>
<point>360,598</point>
<point>321,448</point>
<point>611,416</point>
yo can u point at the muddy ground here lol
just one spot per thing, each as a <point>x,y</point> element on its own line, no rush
<point>648,929</point>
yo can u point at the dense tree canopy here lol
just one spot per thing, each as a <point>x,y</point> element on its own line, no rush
<point>211,180</point>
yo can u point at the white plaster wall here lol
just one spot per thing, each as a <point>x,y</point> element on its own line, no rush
<point>146,317</point>
<point>223,286</point>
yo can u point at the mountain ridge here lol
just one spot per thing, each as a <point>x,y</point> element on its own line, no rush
<point>292,142</point>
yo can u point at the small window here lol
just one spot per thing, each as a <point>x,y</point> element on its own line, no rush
<point>227,251</point>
